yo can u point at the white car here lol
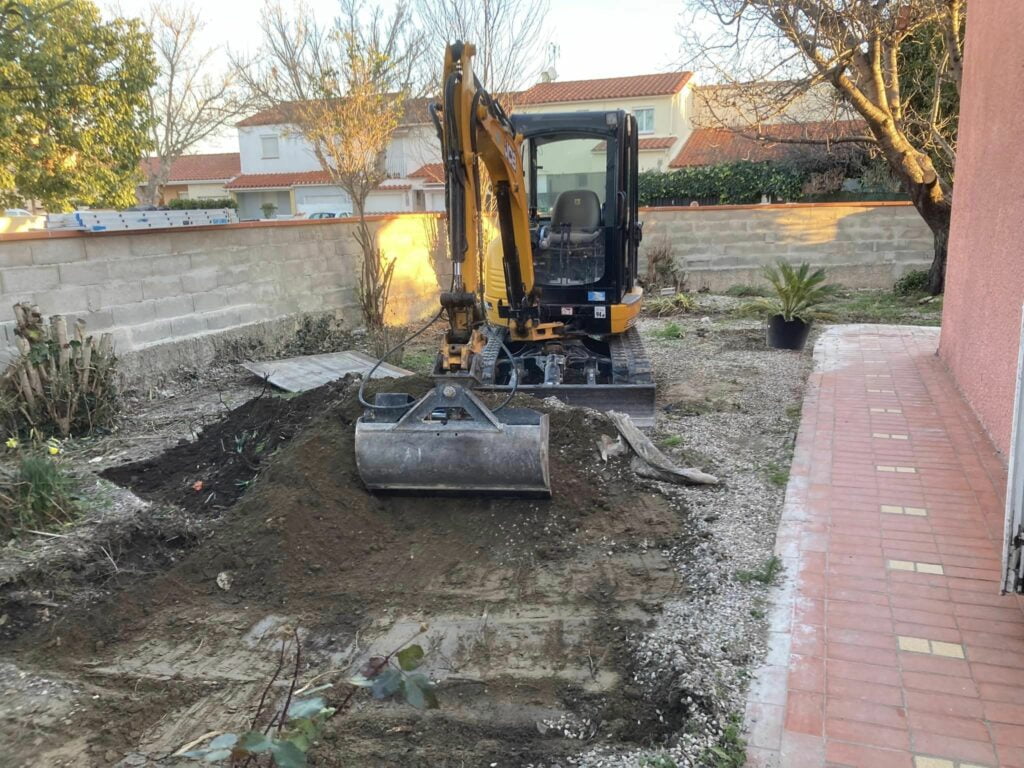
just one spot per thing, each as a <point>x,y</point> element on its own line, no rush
<point>17,212</point>
<point>328,215</point>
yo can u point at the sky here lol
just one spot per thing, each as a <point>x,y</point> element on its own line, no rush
<point>596,38</point>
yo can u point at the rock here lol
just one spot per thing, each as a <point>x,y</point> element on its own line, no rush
<point>224,580</point>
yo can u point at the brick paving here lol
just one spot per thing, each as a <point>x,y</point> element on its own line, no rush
<point>891,646</point>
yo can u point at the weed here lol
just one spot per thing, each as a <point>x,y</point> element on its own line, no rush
<point>670,331</point>
<point>746,291</point>
<point>777,474</point>
<point>793,411</point>
<point>35,495</point>
<point>913,282</point>
<point>419,362</point>
<point>757,613</point>
<point>731,751</point>
<point>658,761</point>
<point>672,442</point>
<point>673,304</point>
<point>765,574</point>
<point>882,307</point>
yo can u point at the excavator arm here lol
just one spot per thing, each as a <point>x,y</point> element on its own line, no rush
<point>474,130</point>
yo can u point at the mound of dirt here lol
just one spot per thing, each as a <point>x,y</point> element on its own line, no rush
<point>306,533</point>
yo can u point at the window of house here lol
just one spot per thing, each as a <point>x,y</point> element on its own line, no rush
<point>644,119</point>
<point>269,146</point>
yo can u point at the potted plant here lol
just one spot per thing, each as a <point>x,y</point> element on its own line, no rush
<point>798,293</point>
<point>269,209</point>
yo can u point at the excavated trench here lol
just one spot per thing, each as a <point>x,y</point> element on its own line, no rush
<point>529,604</point>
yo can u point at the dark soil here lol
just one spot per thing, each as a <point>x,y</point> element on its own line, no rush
<point>301,537</point>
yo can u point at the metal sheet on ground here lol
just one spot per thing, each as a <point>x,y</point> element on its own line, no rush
<point>299,374</point>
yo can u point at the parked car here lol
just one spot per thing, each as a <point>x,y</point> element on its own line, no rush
<point>327,215</point>
<point>17,212</point>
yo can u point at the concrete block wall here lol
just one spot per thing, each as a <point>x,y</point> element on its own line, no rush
<point>151,288</point>
<point>155,287</point>
<point>862,245</point>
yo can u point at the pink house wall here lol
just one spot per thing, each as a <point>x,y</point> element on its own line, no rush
<point>985,277</point>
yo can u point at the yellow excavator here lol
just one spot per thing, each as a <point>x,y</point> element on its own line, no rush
<point>547,308</point>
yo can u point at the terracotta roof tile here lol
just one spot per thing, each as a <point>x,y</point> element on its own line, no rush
<point>278,180</point>
<point>714,146</point>
<point>644,145</point>
<point>606,88</point>
<point>416,112</point>
<point>431,172</point>
<point>212,167</point>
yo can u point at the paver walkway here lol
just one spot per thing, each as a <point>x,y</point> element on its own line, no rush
<point>891,646</point>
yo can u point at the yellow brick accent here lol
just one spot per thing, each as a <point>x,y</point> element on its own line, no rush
<point>901,565</point>
<point>952,650</point>
<point>906,470</point>
<point>914,644</point>
<point>932,762</point>
<point>929,568</point>
<point>915,511</point>
<point>891,509</point>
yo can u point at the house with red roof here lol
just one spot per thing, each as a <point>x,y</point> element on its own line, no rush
<point>196,177</point>
<point>279,169</point>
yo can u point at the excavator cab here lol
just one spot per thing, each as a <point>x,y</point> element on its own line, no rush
<point>580,170</point>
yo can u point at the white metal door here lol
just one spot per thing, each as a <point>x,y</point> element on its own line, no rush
<point>1013,534</point>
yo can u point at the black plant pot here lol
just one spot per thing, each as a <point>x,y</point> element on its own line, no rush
<point>787,334</point>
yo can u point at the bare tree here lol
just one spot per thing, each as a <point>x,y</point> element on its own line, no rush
<point>853,49</point>
<point>508,35</point>
<point>188,104</point>
<point>344,88</point>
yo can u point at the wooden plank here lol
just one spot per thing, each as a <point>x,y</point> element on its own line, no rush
<point>299,374</point>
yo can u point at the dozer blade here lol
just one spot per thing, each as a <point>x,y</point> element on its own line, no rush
<point>450,442</point>
<point>636,400</point>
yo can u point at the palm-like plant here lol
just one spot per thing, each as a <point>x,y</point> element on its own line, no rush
<point>798,291</point>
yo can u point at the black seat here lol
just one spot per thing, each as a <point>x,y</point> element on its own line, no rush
<point>575,219</point>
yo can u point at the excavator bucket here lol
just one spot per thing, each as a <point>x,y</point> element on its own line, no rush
<point>449,441</point>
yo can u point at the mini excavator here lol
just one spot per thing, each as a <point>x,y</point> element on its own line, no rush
<point>548,307</point>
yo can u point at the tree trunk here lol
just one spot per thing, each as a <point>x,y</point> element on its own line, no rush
<point>937,215</point>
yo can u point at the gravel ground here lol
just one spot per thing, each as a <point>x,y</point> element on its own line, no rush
<point>737,419</point>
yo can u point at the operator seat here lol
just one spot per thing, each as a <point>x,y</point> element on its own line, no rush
<point>575,219</point>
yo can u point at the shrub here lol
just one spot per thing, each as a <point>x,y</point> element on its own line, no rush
<point>34,495</point>
<point>662,270</point>
<point>798,292</point>
<point>914,281</point>
<point>670,331</point>
<point>737,183</point>
<point>663,306</point>
<point>201,204</point>
<point>57,385</point>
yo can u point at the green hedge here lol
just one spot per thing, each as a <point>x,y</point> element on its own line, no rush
<point>733,183</point>
<point>187,204</point>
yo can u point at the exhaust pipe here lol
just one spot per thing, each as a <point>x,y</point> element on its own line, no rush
<point>449,441</point>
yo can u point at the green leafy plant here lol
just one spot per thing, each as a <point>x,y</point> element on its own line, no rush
<point>672,441</point>
<point>674,304</point>
<point>912,282</point>
<point>269,209</point>
<point>286,738</point>
<point>35,494</point>
<point>731,750</point>
<point>765,574</point>
<point>669,332</point>
<point>728,183</point>
<point>746,291</point>
<point>201,204</point>
<point>798,292</point>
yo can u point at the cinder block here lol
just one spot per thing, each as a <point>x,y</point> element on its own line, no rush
<point>15,255</point>
<point>171,265</point>
<point>151,244</point>
<point>188,325</point>
<point>151,333</point>
<point>84,273</point>
<point>161,287</point>
<point>130,268</point>
<point>94,321</point>
<point>225,318</point>
<point>210,301</point>
<point>134,314</point>
<point>107,246</point>
<point>63,300</point>
<point>59,250</point>
<point>30,279</point>
<point>174,306</point>
<point>199,280</point>
<point>107,295</point>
